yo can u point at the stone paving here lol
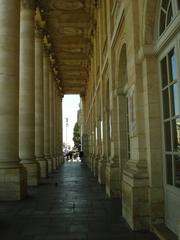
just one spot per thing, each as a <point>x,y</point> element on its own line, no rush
<point>69,205</point>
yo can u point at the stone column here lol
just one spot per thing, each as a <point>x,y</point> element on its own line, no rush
<point>12,174</point>
<point>39,103</point>
<point>113,171</point>
<point>61,130</point>
<point>46,79</point>
<point>112,166</point>
<point>96,154</point>
<point>103,158</point>
<point>27,93</point>
<point>84,136</point>
<point>54,127</point>
<point>57,128</point>
<point>51,116</point>
<point>59,152</point>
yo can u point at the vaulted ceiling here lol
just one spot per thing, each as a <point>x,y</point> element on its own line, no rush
<point>69,25</point>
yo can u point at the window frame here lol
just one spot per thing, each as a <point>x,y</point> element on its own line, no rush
<point>175,43</point>
<point>175,12</point>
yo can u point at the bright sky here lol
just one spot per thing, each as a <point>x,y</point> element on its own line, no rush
<point>70,108</point>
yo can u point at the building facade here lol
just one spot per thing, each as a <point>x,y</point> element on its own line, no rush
<point>131,108</point>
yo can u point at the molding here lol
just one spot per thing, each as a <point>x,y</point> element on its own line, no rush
<point>144,51</point>
<point>117,27</point>
<point>168,35</point>
<point>39,31</point>
<point>28,4</point>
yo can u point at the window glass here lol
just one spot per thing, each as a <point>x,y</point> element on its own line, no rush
<point>101,130</point>
<point>177,171</point>
<point>128,134</point>
<point>178,3</point>
<point>169,178</point>
<point>172,65</point>
<point>176,134</point>
<point>167,131</point>
<point>96,134</point>
<point>165,4</point>
<point>162,22</point>
<point>164,75</point>
<point>169,14</point>
<point>174,89</point>
<point>166,103</point>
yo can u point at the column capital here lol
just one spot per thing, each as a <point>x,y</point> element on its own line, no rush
<point>28,4</point>
<point>39,32</point>
<point>61,97</point>
<point>46,51</point>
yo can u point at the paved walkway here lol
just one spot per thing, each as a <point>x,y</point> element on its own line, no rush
<point>69,205</point>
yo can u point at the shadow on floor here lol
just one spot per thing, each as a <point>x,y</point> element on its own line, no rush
<point>69,205</point>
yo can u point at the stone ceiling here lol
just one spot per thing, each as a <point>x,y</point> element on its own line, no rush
<point>69,25</point>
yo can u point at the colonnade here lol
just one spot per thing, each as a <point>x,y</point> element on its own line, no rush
<point>116,128</point>
<point>30,101</point>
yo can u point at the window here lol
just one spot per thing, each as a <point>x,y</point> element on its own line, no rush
<point>178,3</point>
<point>167,13</point>
<point>127,131</point>
<point>171,116</point>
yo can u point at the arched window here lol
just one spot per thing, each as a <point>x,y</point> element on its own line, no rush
<point>169,9</point>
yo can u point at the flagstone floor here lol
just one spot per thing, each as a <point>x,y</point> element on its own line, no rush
<point>69,205</point>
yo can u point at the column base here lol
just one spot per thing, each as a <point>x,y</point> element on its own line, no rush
<point>33,172</point>
<point>50,165</point>
<point>113,182</point>
<point>59,160</point>
<point>43,167</point>
<point>156,205</point>
<point>13,183</point>
<point>91,162</point>
<point>88,161</point>
<point>135,205</point>
<point>102,170</point>
<point>95,165</point>
<point>54,163</point>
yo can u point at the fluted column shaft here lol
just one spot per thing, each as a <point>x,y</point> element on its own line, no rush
<point>27,92</point>
<point>13,178</point>
<point>54,127</point>
<point>39,103</point>
<point>58,128</point>
<point>46,79</point>
<point>61,157</point>
<point>51,99</point>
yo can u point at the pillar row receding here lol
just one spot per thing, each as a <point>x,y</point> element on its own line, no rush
<point>12,173</point>
<point>27,92</point>
<point>39,103</point>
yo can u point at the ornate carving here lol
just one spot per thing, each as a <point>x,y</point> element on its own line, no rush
<point>46,50</point>
<point>67,5</point>
<point>69,23</point>
<point>39,32</point>
<point>71,31</point>
<point>28,4</point>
